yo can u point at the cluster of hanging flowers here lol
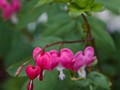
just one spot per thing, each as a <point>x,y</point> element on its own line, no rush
<point>9,9</point>
<point>63,59</point>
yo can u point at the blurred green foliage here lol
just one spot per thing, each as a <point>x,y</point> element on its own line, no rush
<point>17,43</point>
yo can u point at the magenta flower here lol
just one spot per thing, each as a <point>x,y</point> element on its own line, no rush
<point>16,5</point>
<point>43,60</point>
<point>3,4</point>
<point>32,72</point>
<point>89,55</point>
<point>7,12</point>
<point>55,59</point>
<point>62,59</point>
<point>83,59</point>
<point>9,9</point>
<point>79,61</point>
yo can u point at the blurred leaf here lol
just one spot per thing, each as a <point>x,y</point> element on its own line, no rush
<point>62,1</point>
<point>102,37</point>
<point>19,50</point>
<point>30,14</point>
<point>41,2</point>
<point>13,83</point>
<point>5,39</point>
<point>85,3</point>
<point>112,5</point>
<point>97,7</point>
<point>51,82</point>
<point>99,81</point>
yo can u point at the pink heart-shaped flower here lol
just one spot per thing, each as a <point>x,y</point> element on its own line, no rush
<point>44,61</point>
<point>32,71</point>
<point>64,58</point>
<point>79,61</point>
<point>89,55</point>
<point>55,59</point>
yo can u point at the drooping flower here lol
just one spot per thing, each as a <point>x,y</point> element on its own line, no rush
<point>9,9</point>
<point>89,55</point>
<point>83,59</point>
<point>43,60</point>
<point>55,59</point>
<point>79,61</point>
<point>63,60</point>
<point>32,72</point>
<point>79,65</point>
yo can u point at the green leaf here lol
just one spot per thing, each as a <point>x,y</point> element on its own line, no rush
<point>97,7</point>
<point>85,3</point>
<point>109,5</point>
<point>30,14</point>
<point>98,81</point>
<point>62,1</point>
<point>41,2</point>
<point>75,10</point>
<point>51,82</point>
<point>102,37</point>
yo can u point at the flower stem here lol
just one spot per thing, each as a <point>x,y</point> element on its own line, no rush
<point>89,35</point>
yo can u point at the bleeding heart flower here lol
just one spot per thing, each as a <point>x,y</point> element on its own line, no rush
<point>79,61</point>
<point>62,59</point>
<point>89,55</point>
<point>16,5</point>
<point>55,59</point>
<point>3,4</point>
<point>32,71</point>
<point>66,58</point>
<point>43,60</point>
<point>7,12</point>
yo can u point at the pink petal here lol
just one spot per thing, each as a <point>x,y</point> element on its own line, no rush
<point>89,55</point>
<point>7,12</point>
<point>66,58</point>
<point>55,58</point>
<point>44,61</point>
<point>16,5</point>
<point>32,71</point>
<point>79,61</point>
<point>89,52</point>
<point>3,4</point>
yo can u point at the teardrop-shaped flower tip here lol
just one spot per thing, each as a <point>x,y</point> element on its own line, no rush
<point>79,61</point>
<point>89,55</point>
<point>66,58</point>
<point>55,59</point>
<point>30,85</point>
<point>32,71</point>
